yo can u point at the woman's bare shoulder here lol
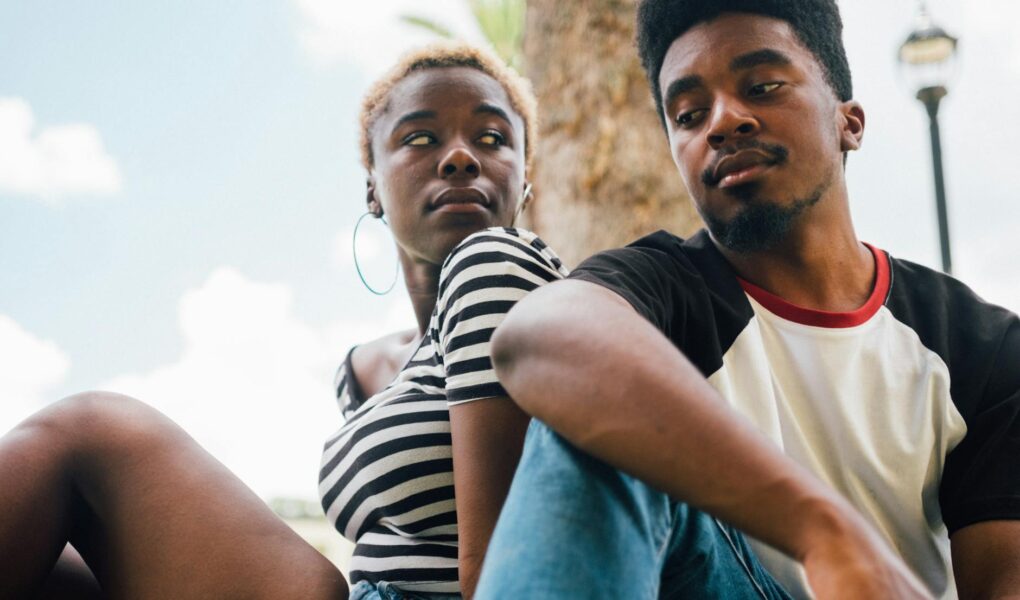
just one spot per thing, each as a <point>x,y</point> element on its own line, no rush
<point>376,363</point>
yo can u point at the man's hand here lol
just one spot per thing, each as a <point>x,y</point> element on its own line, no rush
<point>851,563</point>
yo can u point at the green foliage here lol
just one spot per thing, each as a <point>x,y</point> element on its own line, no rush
<point>427,24</point>
<point>501,21</point>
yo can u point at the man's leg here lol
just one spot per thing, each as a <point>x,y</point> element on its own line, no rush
<point>573,526</point>
<point>708,559</point>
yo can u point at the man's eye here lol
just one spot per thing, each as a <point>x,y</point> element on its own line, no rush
<point>418,139</point>
<point>764,88</point>
<point>492,138</point>
<point>689,118</point>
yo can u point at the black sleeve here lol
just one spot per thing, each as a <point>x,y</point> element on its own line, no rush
<point>981,481</point>
<point>641,276</point>
<point>684,288</point>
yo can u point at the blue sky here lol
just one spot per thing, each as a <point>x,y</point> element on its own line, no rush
<point>181,182</point>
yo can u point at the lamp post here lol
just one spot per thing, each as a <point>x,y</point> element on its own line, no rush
<point>927,60</point>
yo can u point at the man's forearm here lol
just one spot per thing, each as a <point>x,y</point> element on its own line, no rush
<point>582,360</point>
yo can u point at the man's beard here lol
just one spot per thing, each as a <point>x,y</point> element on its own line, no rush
<point>761,224</point>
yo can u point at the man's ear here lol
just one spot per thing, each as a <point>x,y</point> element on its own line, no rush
<point>851,125</point>
<point>374,206</point>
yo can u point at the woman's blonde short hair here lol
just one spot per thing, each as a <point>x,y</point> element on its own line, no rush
<point>449,54</point>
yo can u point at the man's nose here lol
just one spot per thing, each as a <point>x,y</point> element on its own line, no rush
<point>732,120</point>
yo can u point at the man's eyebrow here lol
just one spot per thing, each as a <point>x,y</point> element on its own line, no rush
<point>414,116</point>
<point>765,56</point>
<point>492,109</point>
<point>682,86</point>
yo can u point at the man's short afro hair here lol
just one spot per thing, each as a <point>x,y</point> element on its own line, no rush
<point>815,22</point>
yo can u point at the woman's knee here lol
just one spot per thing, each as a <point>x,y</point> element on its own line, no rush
<point>94,417</point>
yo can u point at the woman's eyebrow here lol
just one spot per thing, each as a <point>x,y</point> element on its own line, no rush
<point>413,116</point>
<point>492,109</point>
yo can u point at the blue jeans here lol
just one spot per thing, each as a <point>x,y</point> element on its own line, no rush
<point>364,590</point>
<point>574,527</point>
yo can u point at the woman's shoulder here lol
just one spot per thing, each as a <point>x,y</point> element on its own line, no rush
<point>501,235</point>
<point>373,365</point>
<point>512,244</point>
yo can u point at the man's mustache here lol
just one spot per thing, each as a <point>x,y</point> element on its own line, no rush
<point>777,153</point>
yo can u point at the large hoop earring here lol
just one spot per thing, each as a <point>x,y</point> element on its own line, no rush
<point>521,203</point>
<point>357,266</point>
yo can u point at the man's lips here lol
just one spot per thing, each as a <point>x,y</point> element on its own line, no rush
<point>742,162</point>
<point>456,196</point>
<point>741,166</point>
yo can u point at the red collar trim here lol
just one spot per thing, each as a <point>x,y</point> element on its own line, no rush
<point>821,318</point>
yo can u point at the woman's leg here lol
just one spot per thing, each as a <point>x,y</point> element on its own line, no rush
<point>70,579</point>
<point>152,513</point>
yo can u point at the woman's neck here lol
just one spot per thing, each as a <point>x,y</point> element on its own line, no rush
<point>422,281</point>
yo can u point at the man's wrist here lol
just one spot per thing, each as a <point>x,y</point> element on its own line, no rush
<point>825,523</point>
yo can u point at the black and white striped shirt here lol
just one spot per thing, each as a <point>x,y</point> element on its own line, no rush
<point>386,480</point>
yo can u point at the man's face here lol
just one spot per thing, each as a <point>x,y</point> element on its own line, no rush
<point>756,131</point>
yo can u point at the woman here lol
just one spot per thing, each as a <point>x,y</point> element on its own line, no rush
<point>446,139</point>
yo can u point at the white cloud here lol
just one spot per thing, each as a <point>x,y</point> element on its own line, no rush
<point>252,384</point>
<point>29,368</point>
<point>993,278</point>
<point>371,34</point>
<point>377,254</point>
<point>55,161</point>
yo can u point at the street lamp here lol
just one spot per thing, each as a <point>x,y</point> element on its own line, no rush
<point>927,58</point>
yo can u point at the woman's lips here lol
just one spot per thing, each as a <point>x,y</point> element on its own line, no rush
<point>463,199</point>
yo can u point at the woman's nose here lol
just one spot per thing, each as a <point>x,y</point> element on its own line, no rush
<point>459,161</point>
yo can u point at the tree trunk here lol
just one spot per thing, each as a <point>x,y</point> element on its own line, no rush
<point>603,172</point>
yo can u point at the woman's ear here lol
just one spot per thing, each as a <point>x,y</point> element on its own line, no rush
<point>527,196</point>
<point>374,206</point>
<point>851,126</point>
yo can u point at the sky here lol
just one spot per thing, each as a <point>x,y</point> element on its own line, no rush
<point>179,184</point>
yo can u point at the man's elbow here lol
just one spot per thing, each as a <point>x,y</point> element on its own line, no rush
<point>517,347</point>
<point>507,346</point>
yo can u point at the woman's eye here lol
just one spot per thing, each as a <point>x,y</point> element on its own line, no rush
<point>764,88</point>
<point>688,118</point>
<point>418,139</point>
<point>492,138</point>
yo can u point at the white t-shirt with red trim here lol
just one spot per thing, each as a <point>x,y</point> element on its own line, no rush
<point>908,406</point>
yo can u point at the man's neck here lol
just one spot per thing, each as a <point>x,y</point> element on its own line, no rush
<point>814,267</point>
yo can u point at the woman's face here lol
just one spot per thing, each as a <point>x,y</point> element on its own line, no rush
<point>449,160</point>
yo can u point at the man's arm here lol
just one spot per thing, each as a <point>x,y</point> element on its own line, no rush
<point>579,357</point>
<point>986,560</point>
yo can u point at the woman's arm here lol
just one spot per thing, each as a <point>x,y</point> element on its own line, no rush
<point>487,439</point>
<point>484,276</point>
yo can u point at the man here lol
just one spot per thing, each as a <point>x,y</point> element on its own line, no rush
<point>858,415</point>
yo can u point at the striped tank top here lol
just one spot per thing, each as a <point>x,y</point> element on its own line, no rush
<point>386,480</point>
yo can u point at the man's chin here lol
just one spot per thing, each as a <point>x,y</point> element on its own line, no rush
<point>747,192</point>
<point>758,225</point>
